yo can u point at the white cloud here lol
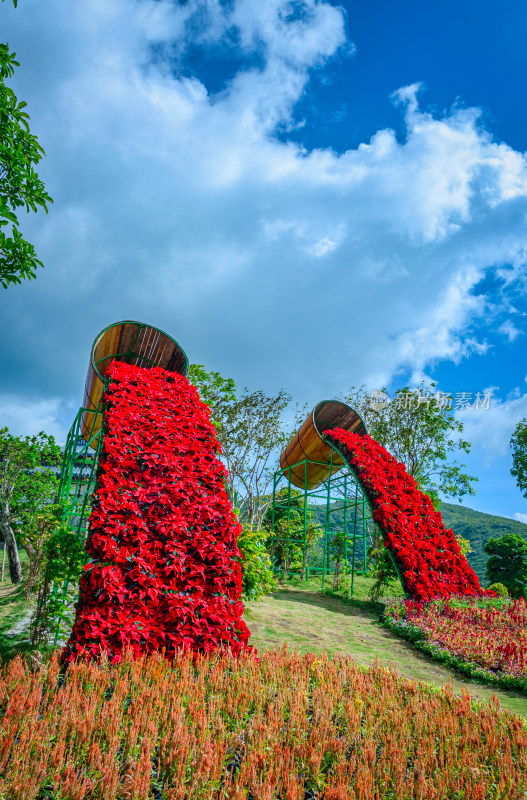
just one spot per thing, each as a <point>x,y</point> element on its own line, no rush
<point>177,203</point>
<point>26,417</point>
<point>490,429</point>
<point>509,330</point>
<point>520,517</point>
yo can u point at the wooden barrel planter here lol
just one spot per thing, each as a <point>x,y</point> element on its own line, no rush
<point>135,343</point>
<point>308,444</point>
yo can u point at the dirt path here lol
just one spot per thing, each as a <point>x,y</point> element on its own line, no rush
<point>309,620</point>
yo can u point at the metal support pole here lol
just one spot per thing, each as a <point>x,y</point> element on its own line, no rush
<point>326,526</point>
<point>354,538</point>
<point>304,565</point>
<point>288,521</point>
<point>364,534</point>
<point>346,524</point>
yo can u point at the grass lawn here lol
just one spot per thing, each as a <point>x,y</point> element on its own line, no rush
<point>308,619</point>
<point>15,612</point>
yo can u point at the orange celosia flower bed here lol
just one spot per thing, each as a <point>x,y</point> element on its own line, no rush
<point>288,726</point>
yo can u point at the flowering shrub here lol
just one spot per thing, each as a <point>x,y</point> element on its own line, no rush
<point>291,727</point>
<point>485,638</point>
<point>165,571</point>
<point>427,555</point>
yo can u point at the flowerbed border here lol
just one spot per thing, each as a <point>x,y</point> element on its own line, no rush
<point>415,635</point>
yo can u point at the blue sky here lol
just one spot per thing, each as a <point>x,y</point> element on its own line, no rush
<point>304,194</point>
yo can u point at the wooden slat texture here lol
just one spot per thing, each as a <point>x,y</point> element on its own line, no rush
<point>135,343</point>
<point>308,444</point>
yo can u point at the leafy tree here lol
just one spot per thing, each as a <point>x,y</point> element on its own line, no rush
<point>519,455</point>
<point>507,563</point>
<point>338,550</point>
<point>33,539</point>
<point>215,390</point>
<point>251,435</point>
<point>64,555</point>
<point>251,432</point>
<point>27,483</point>
<point>20,185</point>
<point>382,568</point>
<point>423,434</point>
<point>464,544</point>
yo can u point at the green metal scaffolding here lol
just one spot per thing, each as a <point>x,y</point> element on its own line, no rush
<point>76,486</point>
<point>341,508</point>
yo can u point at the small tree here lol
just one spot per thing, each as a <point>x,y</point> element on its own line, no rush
<point>338,549</point>
<point>419,430</point>
<point>34,539</point>
<point>64,552</point>
<point>27,483</point>
<point>507,563</point>
<point>20,186</point>
<point>519,455</point>
<point>251,432</point>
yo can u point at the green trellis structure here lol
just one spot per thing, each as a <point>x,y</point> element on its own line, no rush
<point>76,486</point>
<point>346,510</point>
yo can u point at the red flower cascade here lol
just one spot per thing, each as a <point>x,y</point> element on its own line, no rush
<point>165,570</point>
<point>427,555</point>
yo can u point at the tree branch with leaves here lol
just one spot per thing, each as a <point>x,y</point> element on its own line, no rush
<point>423,434</point>
<point>28,482</point>
<point>20,185</point>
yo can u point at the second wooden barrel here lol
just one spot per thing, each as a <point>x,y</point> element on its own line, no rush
<point>307,445</point>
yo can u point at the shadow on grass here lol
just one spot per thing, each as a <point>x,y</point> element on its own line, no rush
<point>328,600</point>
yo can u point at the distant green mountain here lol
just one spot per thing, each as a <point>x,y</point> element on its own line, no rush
<point>473,525</point>
<point>478,527</point>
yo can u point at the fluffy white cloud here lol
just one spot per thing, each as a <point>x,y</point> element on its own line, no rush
<point>509,330</point>
<point>27,417</point>
<point>177,203</point>
<point>490,429</point>
<point>520,517</point>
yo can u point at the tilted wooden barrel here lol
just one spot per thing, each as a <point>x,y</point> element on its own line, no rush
<point>308,443</point>
<point>135,343</point>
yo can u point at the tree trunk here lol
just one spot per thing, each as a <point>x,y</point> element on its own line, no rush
<point>15,568</point>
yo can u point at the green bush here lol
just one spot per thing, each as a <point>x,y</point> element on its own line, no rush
<point>257,573</point>
<point>500,589</point>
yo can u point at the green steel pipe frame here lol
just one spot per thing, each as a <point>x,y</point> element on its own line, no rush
<point>366,513</point>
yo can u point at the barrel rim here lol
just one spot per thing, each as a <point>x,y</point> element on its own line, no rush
<point>341,403</point>
<point>140,326</point>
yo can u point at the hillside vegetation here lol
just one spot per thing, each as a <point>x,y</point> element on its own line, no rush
<point>476,526</point>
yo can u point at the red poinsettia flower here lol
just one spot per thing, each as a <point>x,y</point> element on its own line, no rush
<point>427,554</point>
<point>165,570</point>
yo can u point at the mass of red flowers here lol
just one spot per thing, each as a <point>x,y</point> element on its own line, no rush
<point>427,555</point>
<point>165,567</point>
<point>492,637</point>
